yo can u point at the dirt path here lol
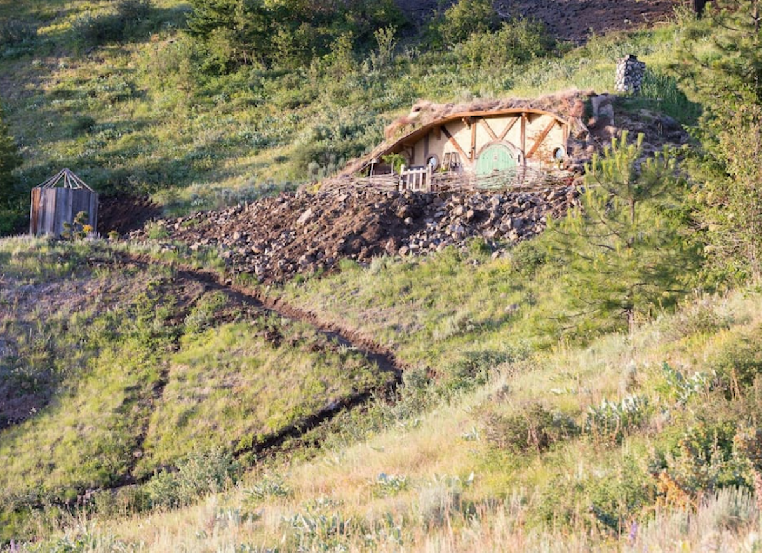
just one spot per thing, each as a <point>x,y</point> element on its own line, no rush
<point>375,353</point>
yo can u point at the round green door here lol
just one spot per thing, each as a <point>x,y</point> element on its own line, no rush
<point>495,157</point>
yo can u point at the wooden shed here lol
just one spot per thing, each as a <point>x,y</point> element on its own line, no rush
<point>58,200</point>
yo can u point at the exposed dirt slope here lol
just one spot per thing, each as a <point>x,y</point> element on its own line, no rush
<point>573,20</point>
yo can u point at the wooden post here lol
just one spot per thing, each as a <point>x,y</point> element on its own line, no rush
<point>698,6</point>
<point>472,124</point>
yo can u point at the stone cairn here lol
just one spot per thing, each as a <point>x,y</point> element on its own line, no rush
<point>629,74</point>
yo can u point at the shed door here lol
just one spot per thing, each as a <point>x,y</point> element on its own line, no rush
<point>496,157</point>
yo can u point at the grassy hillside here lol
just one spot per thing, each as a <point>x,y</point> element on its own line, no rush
<point>151,399</point>
<point>114,369</point>
<point>141,115</point>
<point>637,442</point>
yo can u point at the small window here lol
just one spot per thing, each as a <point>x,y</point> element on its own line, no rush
<point>559,154</point>
<point>433,162</point>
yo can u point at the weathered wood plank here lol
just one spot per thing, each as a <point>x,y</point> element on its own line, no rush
<point>540,138</point>
<point>508,128</point>
<point>456,145</point>
<point>489,130</point>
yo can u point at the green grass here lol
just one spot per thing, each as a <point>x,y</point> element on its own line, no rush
<point>447,309</point>
<point>459,475</point>
<point>229,389</point>
<point>137,116</point>
<point>117,370</point>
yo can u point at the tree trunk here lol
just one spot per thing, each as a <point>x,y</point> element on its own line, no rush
<point>698,6</point>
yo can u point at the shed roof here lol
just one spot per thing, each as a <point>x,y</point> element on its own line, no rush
<point>65,179</point>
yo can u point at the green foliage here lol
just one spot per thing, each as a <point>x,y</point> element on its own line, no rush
<point>9,160</point>
<point>286,34</point>
<point>14,32</point>
<point>626,248</point>
<point>78,229</point>
<point>389,484</point>
<point>266,487</point>
<point>613,420</point>
<point>727,76</point>
<point>203,313</point>
<point>739,362</point>
<point>682,388</point>
<point>97,28</point>
<point>703,459</point>
<point>517,42</point>
<point>466,18</point>
<point>534,428</point>
<point>198,474</point>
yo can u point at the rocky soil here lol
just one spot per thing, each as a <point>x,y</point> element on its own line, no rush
<point>276,238</point>
<point>572,20</point>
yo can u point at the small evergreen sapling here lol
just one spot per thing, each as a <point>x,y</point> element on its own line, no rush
<point>625,249</point>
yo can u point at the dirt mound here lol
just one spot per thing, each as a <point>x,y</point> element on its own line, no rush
<point>276,238</point>
<point>125,213</point>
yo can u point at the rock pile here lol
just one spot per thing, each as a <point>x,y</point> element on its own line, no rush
<point>276,238</point>
<point>629,74</point>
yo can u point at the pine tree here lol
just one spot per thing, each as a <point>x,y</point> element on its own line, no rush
<point>9,160</point>
<point>728,76</point>
<point>624,248</point>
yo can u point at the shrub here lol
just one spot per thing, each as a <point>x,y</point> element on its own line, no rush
<point>197,474</point>
<point>133,10</point>
<point>203,313</point>
<point>268,486</point>
<point>14,32</point>
<point>516,42</point>
<point>474,367</point>
<point>682,388</point>
<point>612,420</point>
<point>466,18</point>
<point>703,459</point>
<point>389,484</point>
<point>740,360</point>
<point>533,428</point>
<point>93,30</point>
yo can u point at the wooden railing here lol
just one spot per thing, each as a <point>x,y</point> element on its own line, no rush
<point>424,180</point>
<point>416,179</point>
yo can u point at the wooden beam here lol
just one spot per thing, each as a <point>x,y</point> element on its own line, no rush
<point>540,138</point>
<point>473,139</point>
<point>490,132</point>
<point>508,128</point>
<point>524,135</point>
<point>456,145</point>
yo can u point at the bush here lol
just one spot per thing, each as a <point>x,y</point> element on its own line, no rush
<point>11,221</point>
<point>197,474</point>
<point>466,18</point>
<point>612,421</point>
<point>203,313</point>
<point>133,10</point>
<point>474,367</point>
<point>14,32</point>
<point>94,30</point>
<point>535,428</point>
<point>740,361</point>
<point>703,459</point>
<point>516,42</point>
